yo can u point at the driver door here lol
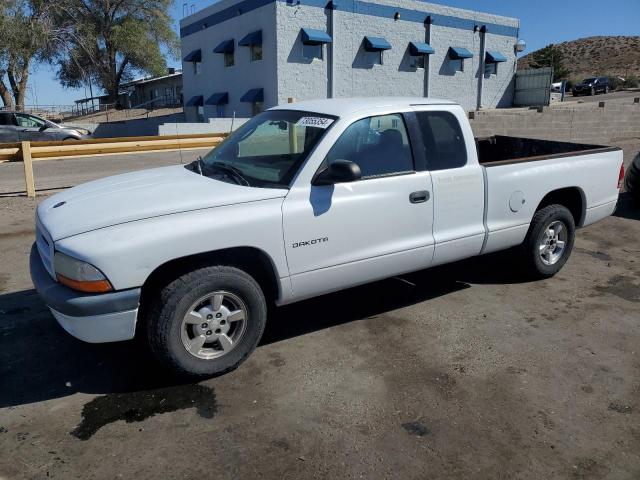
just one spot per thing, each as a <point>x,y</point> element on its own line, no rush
<point>341,235</point>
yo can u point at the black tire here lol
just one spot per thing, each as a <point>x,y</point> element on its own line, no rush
<point>543,218</point>
<point>164,321</point>
<point>632,178</point>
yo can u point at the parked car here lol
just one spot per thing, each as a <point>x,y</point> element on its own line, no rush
<point>591,86</point>
<point>303,200</point>
<point>19,126</point>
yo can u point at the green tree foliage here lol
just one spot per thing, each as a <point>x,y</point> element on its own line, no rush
<point>550,56</point>
<point>26,27</point>
<point>107,41</point>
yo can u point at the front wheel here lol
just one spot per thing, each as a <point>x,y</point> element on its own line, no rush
<point>549,241</point>
<point>207,321</point>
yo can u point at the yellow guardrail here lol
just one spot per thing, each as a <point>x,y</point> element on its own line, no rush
<point>28,152</point>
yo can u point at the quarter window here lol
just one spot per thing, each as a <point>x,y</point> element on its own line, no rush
<point>379,145</point>
<point>443,140</point>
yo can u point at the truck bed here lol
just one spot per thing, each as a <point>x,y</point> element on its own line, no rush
<point>503,150</point>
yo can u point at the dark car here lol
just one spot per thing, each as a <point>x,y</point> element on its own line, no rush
<point>591,86</point>
<point>19,126</point>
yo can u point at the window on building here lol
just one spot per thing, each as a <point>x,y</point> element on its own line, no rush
<point>257,107</point>
<point>200,111</point>
<point>418,61</point>
<point>229,59</point>
<point>256,52</point>
<point>379,145</point>
<point>197,68</point>
<point>373,58</point>
<point>490,68</point>
<point>443,140</point>
<point>220,111</point>
<point>312,51</point>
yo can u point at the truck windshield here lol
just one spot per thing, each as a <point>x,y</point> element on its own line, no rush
<point>268,150</point>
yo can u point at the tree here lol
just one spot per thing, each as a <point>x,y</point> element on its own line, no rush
<point>26,27</point>
<point>550,56</point>
<point>107,41</point>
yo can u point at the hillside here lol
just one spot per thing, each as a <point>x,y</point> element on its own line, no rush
<point>612,56</point>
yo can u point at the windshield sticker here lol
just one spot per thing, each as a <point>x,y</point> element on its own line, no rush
<point>318,122</point>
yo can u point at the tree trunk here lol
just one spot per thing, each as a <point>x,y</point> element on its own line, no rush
<point>5,95</point>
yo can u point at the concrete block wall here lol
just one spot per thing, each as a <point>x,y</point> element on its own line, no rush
<point>616,124</point>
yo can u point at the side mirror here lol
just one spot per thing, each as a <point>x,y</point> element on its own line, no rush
<point>339,171</point>
<point>43,128</point>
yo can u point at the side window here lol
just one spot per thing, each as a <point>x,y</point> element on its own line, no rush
<point>28,121</point>
<point>379,145</point>
<point>443,140</point>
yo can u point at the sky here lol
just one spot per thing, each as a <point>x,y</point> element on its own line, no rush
<point>541,22</point>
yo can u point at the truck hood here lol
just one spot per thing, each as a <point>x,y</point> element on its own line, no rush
<point>139,195</point>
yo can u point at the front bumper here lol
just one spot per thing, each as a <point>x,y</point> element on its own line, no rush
<point>105,317</point>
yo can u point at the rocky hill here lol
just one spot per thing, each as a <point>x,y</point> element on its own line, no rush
<point>611,56</point>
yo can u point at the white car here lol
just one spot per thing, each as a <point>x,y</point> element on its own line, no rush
<point>303,200</point>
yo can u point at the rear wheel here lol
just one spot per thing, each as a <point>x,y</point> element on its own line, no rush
<point>549,241</point>
<point>207,322</point>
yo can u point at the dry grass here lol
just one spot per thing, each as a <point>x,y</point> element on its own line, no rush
<point>585,57</point>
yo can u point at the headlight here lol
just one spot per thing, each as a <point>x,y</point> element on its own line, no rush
<point>79,275</point>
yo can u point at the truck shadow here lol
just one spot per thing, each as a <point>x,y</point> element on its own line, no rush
<point>39,361</point>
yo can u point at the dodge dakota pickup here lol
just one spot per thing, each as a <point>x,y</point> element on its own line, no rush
<point>303,200</point>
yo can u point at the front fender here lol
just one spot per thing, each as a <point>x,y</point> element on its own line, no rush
<point>128,253</point>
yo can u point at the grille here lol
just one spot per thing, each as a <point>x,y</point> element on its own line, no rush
<point>45,248</point>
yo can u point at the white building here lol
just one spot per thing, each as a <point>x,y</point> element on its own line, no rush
<point>241,56</point>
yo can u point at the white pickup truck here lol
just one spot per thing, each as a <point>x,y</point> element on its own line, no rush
<point>303,200</point>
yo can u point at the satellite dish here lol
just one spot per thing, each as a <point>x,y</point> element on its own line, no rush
<point>520,46</point>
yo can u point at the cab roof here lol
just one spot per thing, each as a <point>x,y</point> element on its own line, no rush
<point>342,106</point>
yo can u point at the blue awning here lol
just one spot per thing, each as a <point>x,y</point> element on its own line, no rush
<point>195,56</point>
<point>254,38</point>
<point>195,101</point>
<point>253,95</point>
<point>375,44</point>
<point>459,53</point>
<point>225,47</point>
<point>495,57</point>
<point>314,37</point>
<point>417,48</point>
<point>218,99</point>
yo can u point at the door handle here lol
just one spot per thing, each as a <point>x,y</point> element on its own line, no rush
<point>419,197</point>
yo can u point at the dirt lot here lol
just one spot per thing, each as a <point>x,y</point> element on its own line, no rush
<point>463,371</point>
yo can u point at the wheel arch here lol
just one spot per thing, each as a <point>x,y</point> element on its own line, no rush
<point>573,198</point>
<point>252,260</point>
